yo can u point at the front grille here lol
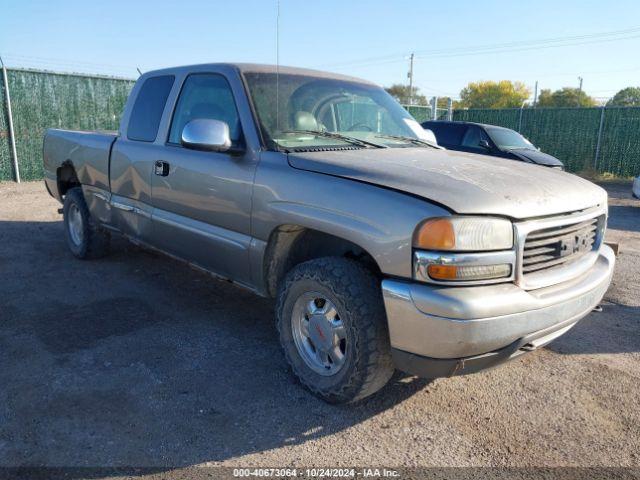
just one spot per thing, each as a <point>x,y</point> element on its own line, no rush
<point>551,247</point>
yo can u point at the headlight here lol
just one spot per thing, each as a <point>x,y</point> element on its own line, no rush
<point>464,250</point>
<point>464,234</point>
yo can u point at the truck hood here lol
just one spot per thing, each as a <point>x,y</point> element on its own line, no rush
<point>465,183</point>
<point>535,156</point>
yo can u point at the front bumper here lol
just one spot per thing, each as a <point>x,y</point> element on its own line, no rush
<point>441,331</point>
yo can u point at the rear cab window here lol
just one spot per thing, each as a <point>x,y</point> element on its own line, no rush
<point>148,107</point>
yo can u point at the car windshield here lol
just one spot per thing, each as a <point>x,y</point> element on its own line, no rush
<point>508,139</point>
<point>302,112</point>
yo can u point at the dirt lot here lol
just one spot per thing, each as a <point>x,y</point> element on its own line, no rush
<point>138,360</point>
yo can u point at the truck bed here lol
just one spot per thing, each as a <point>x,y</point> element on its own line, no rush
<point>87,152</point>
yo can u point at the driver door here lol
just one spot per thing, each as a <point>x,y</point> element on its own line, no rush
<point>202,199</point>
<point>471,141</point>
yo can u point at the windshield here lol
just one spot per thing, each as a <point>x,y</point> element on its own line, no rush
<point>345,114</point>
<point>508,139</point>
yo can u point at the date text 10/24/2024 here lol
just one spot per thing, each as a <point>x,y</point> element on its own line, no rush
<point>317,472</point>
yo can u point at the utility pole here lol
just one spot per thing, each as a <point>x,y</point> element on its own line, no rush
<point>410,75</point>
<point>579,90</point>
<point>535,94</point>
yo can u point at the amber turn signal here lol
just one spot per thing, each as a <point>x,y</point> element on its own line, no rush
<point>436,234</point>
<point>442,272</point>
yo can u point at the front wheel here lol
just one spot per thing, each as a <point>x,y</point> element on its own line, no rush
<point>333,329</point>
<point>85,239</point>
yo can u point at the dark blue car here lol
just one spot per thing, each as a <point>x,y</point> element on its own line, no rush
<point>489,140</point>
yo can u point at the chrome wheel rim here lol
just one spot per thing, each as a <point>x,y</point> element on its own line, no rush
<point>74,223</point>
<point>319,333</point>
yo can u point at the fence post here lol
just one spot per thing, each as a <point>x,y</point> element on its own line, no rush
<point>434,108</point>
<point>520,119</point>
<point>12,137</point>
<point>450,109</point>
<point>599,140</point>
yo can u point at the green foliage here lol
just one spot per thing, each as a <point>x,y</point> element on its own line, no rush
<point>565,97</point>
<point>489,94</point>
<point>401,94</point>
<point>627,97</point>
<point>443,102</point>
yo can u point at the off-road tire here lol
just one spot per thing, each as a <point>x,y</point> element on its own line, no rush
<point>95,240</point>
<point>356,293</point>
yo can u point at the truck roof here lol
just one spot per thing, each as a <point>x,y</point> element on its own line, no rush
<point>256,68</point>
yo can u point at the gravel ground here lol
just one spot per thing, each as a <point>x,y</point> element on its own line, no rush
<point>136,359</point>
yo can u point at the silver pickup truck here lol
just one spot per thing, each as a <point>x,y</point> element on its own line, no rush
<point>383,250</point>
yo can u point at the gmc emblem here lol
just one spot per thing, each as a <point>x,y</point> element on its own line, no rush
<point>574,243</point>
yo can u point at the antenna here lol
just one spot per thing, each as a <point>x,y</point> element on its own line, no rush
<point>277,65</point>
<point>139,72</point>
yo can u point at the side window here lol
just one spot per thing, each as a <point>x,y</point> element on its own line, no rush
<point>205,95</point>
<point>448,133</point>
<point>472,138</point>
<point>147,110</point>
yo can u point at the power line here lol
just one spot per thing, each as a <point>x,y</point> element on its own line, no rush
<point>633,30</point>
<point>534,47</point>
<point>555,42</point>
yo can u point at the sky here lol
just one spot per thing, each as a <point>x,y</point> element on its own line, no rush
<point>455,42</point>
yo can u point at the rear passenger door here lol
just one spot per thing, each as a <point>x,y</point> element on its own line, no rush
<point>202,199</point>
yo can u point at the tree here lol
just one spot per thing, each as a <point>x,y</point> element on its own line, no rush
<point>627,97</point>
<point>565,97</point>
<point>401,94</point>
<point>489,94</point>
<point>443,102</point>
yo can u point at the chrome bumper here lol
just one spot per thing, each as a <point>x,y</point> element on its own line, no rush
<point>453,323</point>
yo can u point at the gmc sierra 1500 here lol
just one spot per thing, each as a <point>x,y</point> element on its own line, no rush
<point>383,250</point>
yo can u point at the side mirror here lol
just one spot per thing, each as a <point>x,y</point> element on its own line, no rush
<point>429,136</point>
<point>206,134</point>
<point>485,144</point>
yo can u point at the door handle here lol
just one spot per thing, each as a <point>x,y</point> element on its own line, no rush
<point>161,168</point>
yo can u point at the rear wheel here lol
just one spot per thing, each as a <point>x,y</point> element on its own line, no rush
<point>85,239</point>
<point>333,329</point>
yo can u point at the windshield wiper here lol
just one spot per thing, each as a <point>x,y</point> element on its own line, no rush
<point>415,141</point>
<point>339,136</point>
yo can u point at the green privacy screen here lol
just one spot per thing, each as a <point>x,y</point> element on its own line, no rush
<point>41,100</point>
<point>571,134</point>
<point>423,113</point>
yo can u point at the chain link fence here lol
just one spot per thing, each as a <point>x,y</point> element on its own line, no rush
<point>606,140</point>
<point>41,100</point>
<point>423,113</point>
